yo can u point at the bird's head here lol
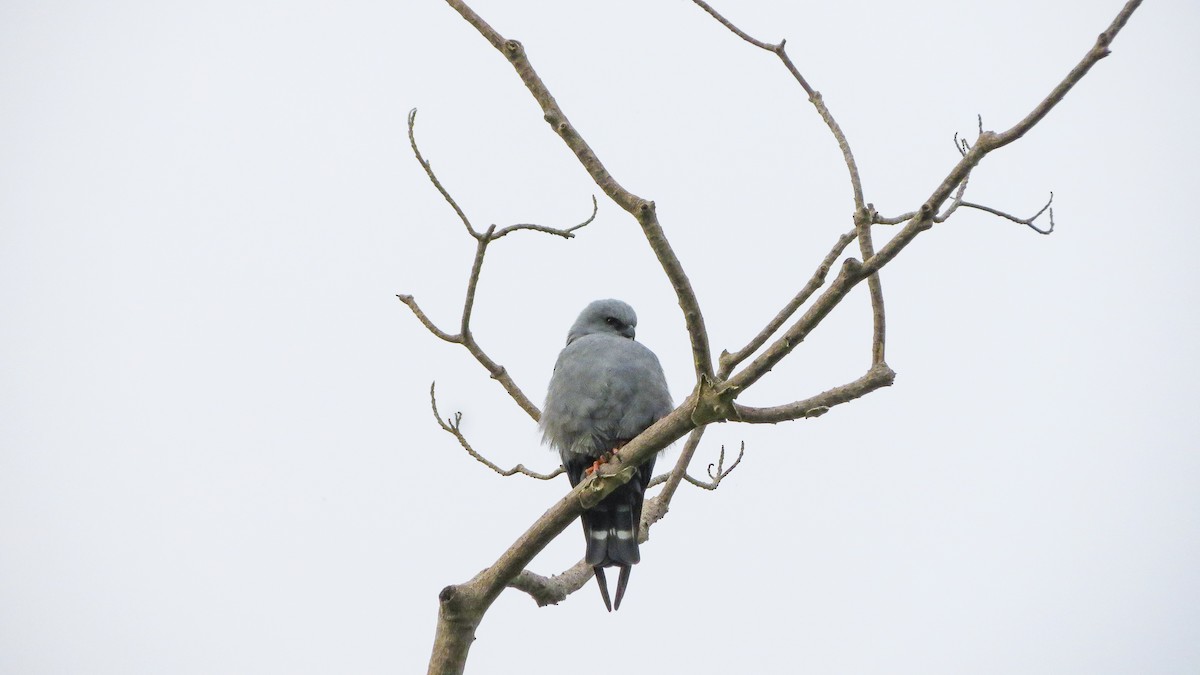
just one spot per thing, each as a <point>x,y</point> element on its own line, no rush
<point>604,316</point>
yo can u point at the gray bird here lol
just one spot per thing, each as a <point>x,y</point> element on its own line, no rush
<point>606,389</point>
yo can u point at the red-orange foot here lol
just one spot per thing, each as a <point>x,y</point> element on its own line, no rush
<point>600,460</point>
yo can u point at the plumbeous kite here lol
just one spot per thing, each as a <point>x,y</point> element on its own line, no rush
<point>605,390</point>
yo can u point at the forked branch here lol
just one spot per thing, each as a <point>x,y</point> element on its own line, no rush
<point>464,336</point>
<point>1030,221</point>
<point>863,215</point>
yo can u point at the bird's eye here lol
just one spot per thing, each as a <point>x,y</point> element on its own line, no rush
<point>613,321</point>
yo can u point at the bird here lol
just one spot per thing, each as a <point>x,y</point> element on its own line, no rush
<point>606,389</point>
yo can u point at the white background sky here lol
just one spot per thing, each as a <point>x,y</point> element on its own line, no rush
<point>216,453</point>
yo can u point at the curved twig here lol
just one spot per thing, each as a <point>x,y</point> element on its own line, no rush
<point>565,233</point>
<point>718,474</point>
<point>1023,221</point>
<point>453,426</point>
<point>412,140</point>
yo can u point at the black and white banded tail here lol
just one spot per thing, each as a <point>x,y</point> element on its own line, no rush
<point>611,527</point>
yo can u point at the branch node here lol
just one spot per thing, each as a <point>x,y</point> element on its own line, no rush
<point>852,267</point>
<point>714,402</point>
<point>719,472</point>
<point>1028,222</point>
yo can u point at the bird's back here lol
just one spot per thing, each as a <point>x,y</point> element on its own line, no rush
<point>605,389</point>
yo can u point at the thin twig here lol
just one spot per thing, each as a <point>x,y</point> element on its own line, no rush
<point>497,371</point>
<point>412,139</point>
<point>454,428</point>
<point>717,477</point>
<point>814,97</point>
<point>565,233</point>
<point>956,201</point>
<point>1023,221</point>
<point>425,321</point>
<point>473,283</point>
<point>893,220</point>
<point>719,472</point>
<point>656,507</point>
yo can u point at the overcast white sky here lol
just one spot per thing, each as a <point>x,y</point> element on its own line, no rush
<point>216,452</point>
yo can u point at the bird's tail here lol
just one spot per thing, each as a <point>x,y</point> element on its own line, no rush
<point>611,528</point>
<point>602,582</point>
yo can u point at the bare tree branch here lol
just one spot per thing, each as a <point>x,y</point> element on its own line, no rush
<point>863,218</point>
<point>863,221</point>
<point>656,507</point>
<point>853,271</point>
<point>1023,221</point>
<point>566,233</point>
<point>956,201</point>
<point>453,426</point>
<point>717,473</point>
<point>880,375</point>
<point>641,209</point>
<point>552,590</point>
<point>555,589</point>
<point>412,140</point>
<point>894,220</point>
<point>1097,52</point>
<point>814,96</point>
<point>425,321</point>
<point>462,606</point>
<point>482,239</point>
